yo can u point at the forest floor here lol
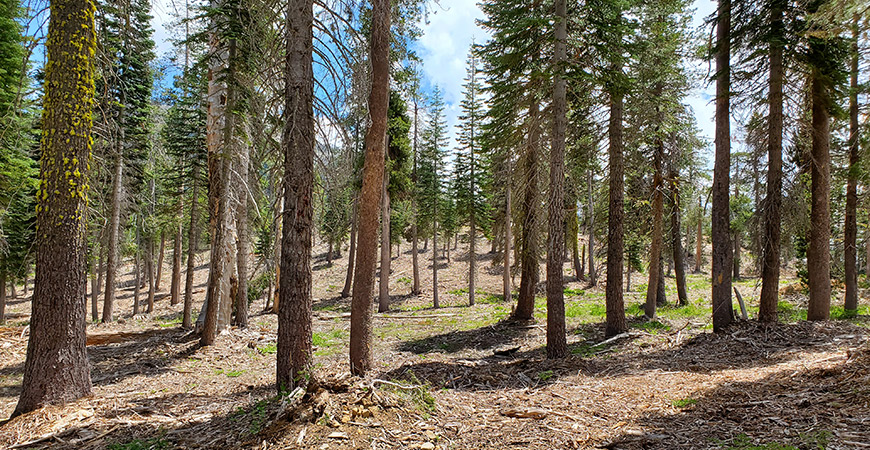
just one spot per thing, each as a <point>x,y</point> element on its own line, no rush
<point>463,377</point>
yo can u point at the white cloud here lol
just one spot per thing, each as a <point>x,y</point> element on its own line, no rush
<point>161,12</point>
<point>444,48</point>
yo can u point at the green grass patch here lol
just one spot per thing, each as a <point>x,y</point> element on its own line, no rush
<point>653,326</point>
<point>635,309</point>
<point>419,395</point>
<point>684,402</point>
<point>169,323</point>
<point>788,312</point>
<point>545,375</point>
<point>234,373</point>
<point>268,349</point>
<point>585,309</point>
<point>816,441</point>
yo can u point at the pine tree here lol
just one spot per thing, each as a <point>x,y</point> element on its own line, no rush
<point>472,201</point>
<point>18,171</point>
<point>430,179</point>
<point>57,369</point>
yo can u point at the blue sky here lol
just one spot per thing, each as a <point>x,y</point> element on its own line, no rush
<point>447,35</point>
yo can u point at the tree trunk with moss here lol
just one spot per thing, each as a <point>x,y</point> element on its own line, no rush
<point>56,369</point>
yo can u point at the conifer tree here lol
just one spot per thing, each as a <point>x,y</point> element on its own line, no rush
<point>430,179</point>
<point>472,201</point>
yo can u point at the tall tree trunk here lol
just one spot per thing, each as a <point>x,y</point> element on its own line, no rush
<point>557,345</point>
<point>161,254</point>
<point>149,270</point>
<point>218,293</point>
<point>661,298</point>
<point>137,280</point>
<point>384,284</point>
<point>677,244</point>
<point>530,276</point>
<point>294,314</point>
<point>243,240</point>
<point>658,233</point>
<point>851,231</point>
<point>508,238</point>
<point>98,281</point>
<point>723,312</point>
<point>435,302</point>
<point>772,225</point>
<point>3,297</point>
<point>351,253</point>
<point>175,283</point>
<point>472,232</point>
<point>735,260</point>
<point>590,224</point>
<point>191,251</point>
<point>56,369</point>
<point>370,198</point>
<point>819,253</point>
<point>699,236</point>
<point>112,253</point>
<point>615,314</point>
<point>415,289</point>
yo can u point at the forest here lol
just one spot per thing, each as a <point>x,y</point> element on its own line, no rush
<point>447,224</point>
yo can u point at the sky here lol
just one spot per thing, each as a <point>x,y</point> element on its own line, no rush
<point>448,33</point>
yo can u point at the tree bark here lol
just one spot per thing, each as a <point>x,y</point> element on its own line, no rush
<point>658,233</point>
<point>723,311</point>
<point>508,238</point>
<point>161,254</point>
<point>242,240</point>
<point>677,244</point>
<point>772,225</point>
<point>175,282</point>
<point>294,313</point>
<point>149,271</point>
<point>56,369</point>
<point>2,297</point>
<point>384,283</point>
<point>218,292</point>
<point>615,306</point>
<point>851,226</point>
<point>415,288</point>
<point>192,233</point>
<point>530,276</point>
<point>137,272</point>
<point>819,253</point>
<point>370,199</point>
<point>112,242</point>
<point>699,237</point>
<point>557,345</point>
<point>351,253</point>
<point>590,223</point>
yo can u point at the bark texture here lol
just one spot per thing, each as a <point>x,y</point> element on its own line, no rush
<point>819,252</point>
<point>772,225</point>
<point>723,311</point>
<point>294,311</point>
<point>557,346</point>
<point>530,275</point>
<point>57,369</point>
<point>615,314</point>
<point>851,226</point>
<point>370,196</point>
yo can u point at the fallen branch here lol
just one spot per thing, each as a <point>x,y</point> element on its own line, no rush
<point>612,339</point>
<point>396,385</point>
<point>742,305</point>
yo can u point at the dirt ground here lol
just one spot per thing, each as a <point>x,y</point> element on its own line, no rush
<point>461,377</point>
